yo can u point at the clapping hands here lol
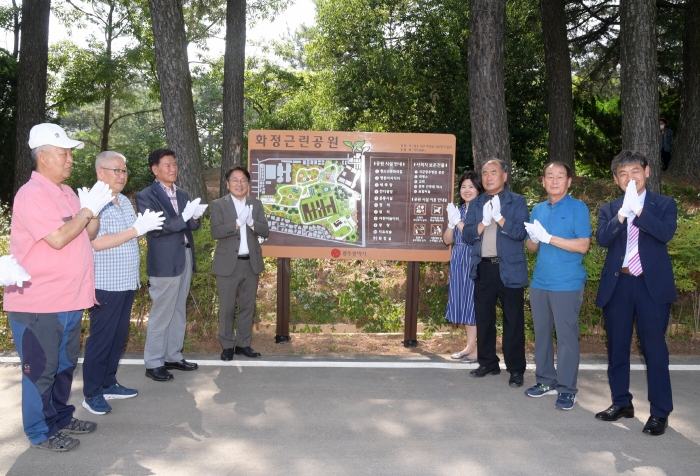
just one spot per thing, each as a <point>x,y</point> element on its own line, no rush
<point>245,215</point>
<point>148,221</point>
<point>249,221</point>
<point>199,211</point>
<point>96,198</point>
<point>630,203</point>
<point>453,216</point>
<point>492,211</point>
<point>190,209</point>
<point>537,232</point>
<point>496,208</point>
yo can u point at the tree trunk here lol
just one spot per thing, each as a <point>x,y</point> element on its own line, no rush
<point>107,110</point>
<point>31,82</point>
<point>106,123</point>
<point>559,99</point>
<point>175,82</point>
<point>487,98</point>
<point>234,68</point>
<point>639,84</point>
<point>686,156</point>
<point>15,31</point>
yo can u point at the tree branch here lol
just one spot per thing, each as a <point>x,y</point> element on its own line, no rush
<point>69,2</point>
<point>132,114</point>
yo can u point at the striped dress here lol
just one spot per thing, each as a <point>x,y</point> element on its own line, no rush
<point>460,301</point>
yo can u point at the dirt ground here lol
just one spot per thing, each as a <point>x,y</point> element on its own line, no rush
<point>374,344</point>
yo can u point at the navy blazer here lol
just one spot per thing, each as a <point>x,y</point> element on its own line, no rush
<point>166,247</point>
<point>657,225</point>
<point>509,239</point>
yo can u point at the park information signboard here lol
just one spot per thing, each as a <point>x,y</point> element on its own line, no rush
<point>353,195</point>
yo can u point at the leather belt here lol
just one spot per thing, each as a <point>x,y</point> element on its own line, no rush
<point>627,271</point>
<point>492,260</point>
<point>244,257</point>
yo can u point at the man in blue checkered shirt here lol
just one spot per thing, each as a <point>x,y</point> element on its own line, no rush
<point>116,252</point>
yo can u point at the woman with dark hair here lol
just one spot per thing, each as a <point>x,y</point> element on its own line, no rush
<point>460,303</point>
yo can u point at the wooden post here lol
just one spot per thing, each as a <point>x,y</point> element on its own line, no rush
<point>283,288</point>
<point>411,319</point>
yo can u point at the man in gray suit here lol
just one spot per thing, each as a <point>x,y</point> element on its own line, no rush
<point>237,221</point>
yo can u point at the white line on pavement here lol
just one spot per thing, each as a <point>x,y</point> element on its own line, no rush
<point>362,365</point>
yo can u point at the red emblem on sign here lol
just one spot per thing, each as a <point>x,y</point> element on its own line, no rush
<point>335,253</point>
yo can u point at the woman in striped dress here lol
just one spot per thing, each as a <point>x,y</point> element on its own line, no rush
<point>460,303</point>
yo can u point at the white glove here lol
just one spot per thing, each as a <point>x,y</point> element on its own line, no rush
<point>453,216</point>
<point>243,217</point>
<point>11,273</point>
<point>148,221</point>
<point>488,213</point>
<point>530,228</point>
<point>249,221</point>
<point>199,211</point>
<point>632,197</point>
<point>541,233</point>
<point>96,198</point>
<point>190,208</point>
<point>496,208</point>
<point>626,208</point>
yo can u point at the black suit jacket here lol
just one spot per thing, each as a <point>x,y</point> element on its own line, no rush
<point>166,247</point>
<point>657,225</point>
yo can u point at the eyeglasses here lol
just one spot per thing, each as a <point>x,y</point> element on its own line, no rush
<point>241,181</point>
<point>117,171</point>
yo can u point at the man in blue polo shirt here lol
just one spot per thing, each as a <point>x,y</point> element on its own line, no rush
<point>560,234</point>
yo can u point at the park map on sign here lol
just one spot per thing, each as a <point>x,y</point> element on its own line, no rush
<point>321,201</point>
<point>353,195</point>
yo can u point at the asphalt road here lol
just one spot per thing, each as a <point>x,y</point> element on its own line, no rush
<point>268,420</point>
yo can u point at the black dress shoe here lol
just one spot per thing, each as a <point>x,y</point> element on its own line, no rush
<point>182,365</point>
<point>227,354</point>
<point>516,379</point>
<point>159,374</point>
<point>655,426</point>
<point>483,371</point>
<point>247,351</point>
<point>614,413</point>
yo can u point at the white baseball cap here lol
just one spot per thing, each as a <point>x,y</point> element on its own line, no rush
<point>52,134</point>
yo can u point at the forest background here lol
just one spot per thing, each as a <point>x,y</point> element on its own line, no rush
<point>527,80</point>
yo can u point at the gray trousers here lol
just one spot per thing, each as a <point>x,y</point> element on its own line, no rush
<point>167,320</point>
<point>242,285</point>
<point>560,309</point>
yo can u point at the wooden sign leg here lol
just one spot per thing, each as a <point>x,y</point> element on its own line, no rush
<point>411,319</point>
<point>283,288</point>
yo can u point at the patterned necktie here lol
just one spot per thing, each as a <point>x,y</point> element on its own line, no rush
<point>634,264</point>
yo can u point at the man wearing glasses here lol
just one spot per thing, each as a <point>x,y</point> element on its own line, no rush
<point>169,264</point>
<point>237,221</point>
<point>116,253</point>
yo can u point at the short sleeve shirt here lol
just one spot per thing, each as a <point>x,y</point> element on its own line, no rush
<point>117,269</point>
<point>557,269</point>
<point>61,280</point>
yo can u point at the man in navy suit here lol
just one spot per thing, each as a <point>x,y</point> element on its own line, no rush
<point>637,284</point>
<point>169,262</point>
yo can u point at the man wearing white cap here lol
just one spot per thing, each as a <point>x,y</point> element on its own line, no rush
<point>50,238</point>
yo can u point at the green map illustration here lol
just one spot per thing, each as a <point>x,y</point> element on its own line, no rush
<point>320,201</point>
